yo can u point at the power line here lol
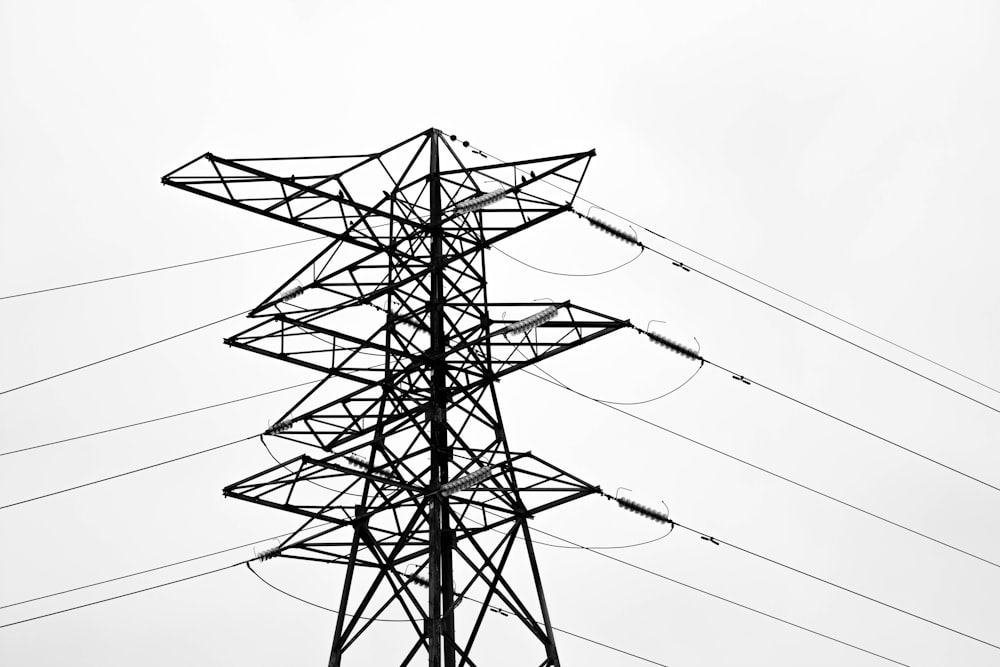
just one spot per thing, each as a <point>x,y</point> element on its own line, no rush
<point>639,402</point>
<point>156,419</point>
<point>716,540</point>
<point>852,425</point>
<point>608,646</point>
<point>283,592</point>
<point>464,597</point>
<point>161,268</point>
<point>572,545</point>
<point>591,546</point>
<point>147,571</point>
<point>319,606</point>
<point>118,597</point>
<point>569,275</point>
<point>800,485</point>
<point>806,303</point>
<point>790,296</point>
<point>122,354</point>
<point>606,404</point>
<point>124,474</point>
<point>250,544</point>
<point>725,599</point>
<point>824,330</point>
<point>612,407</point>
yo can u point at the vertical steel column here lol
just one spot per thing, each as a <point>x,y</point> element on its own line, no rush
<point>550,644</point>
<point>337,652</point>
<point>441,630</point>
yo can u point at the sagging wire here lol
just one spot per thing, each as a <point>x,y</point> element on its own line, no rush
<point>319,606</point>
<point>350,457</point>
<point>599,400</point>
<point>148,570</point>
<point>564,546</point>
<point>357,349</point>
<point>496,609</point>
<point>762,301</point>
<point>569,275</point>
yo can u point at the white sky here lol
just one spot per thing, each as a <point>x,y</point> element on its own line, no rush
<point>844,151</point>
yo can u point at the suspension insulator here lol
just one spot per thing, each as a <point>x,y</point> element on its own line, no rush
<point>466,481</point>
<point>268,554</point>
<point>682,350</point>
<point>480,201</point>
<point>647,512</point>
<point>613,231</point>
<point>412,323</point>
<point>532,321</point>
<point>290,294</point>
<point>356,461</point>
<point>280,427</point>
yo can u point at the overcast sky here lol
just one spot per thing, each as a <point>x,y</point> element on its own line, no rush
<point>845,152</point>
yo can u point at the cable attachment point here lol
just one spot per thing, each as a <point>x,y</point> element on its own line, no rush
<point>648,512</point>
<point>682,350</point>
<point>680,265</point>
<point>613,231</point>
<point>708,538</point>
<point>280,427</point>
<point>742,379</point>
<point>532,321</point>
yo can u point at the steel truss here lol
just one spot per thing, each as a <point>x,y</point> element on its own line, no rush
<point>414,484</point>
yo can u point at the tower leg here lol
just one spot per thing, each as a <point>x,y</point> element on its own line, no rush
<point>550,644</point>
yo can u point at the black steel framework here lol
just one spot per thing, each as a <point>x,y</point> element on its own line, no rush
<point>414,484</point>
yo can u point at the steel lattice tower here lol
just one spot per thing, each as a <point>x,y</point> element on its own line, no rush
<point>414,482</point>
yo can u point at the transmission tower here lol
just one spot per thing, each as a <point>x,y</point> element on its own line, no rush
<point>414,484</point>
